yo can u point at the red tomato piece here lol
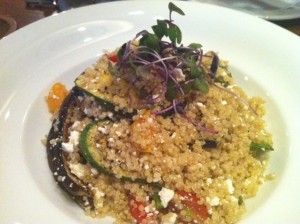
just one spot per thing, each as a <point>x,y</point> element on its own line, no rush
<point>137,209</point>
<point>190,200</point>
<point>113,58</point>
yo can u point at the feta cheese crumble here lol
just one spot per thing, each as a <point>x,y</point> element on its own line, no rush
<point>169,218</point>
<point>213,201</point>
<point>67,147</point>
<point>73,141</point>
<point>165,195</point>
<point>230,186</point>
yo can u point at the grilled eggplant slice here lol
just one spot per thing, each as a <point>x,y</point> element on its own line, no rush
<point>57,157</point>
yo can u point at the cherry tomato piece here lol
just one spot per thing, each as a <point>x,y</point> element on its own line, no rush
<point>113,58</point>
<point>190,200</point>
<point>56,96</point>
<point>137,209</point>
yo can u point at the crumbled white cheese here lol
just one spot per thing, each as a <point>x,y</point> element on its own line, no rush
<point>103,130</point>
<point>73,141</point>
<point>224,102</point>
<point>165,195</point>
<point>61,178</point>
<point>247,182</point>
<point>169,218</point>
<point>99,194</point>
<point>173,135</point>
<point>208,181</point>
<point>74,138</point>
<point>77,169</point>
<point>199,104</point>
<point>94,171</point>
<point>110,114</point>
<point>150,119</point>
<point>230,186</point>
<point>86,111</point>
<point>155,96</point>
<point>75,124</point>
<point>67,147</point>
<point>213,201</point>
<point>110,140</point>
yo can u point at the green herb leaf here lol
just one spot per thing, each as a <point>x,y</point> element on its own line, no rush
<point>259,149</point>
<point>113,69</point>
<point>174,8</point>
<point>160,29</point>
<point>187,87</point>
<point>220,79</point>
<point>120,52</point>
<point>157,201</point>
<point>195,46</point>
<point>151,41</point>
<point>171,93</point>
<point>143,93</point>
<point>201,85</point>
<point>240,200</point>
<point>174,34</point>
<point>196,71</point>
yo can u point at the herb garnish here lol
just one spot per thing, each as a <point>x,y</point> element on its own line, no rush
<point>240,200</point>
<point>259,150</point>
<point>164,71</point>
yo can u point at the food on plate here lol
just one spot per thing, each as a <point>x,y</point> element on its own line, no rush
<point>159,132</point>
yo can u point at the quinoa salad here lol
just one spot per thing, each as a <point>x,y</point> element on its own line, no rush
<point>159,132</point>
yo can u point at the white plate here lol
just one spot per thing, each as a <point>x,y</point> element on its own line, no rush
<point>264,59</point>
<point>267,9</point>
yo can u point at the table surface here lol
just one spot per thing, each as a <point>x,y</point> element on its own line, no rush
<point>24,15</point>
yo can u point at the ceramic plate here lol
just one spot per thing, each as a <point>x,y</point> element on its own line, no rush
<point>267,9</point>
<point>264,60</point>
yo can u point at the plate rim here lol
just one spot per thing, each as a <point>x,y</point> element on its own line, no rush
<point>32,27</point>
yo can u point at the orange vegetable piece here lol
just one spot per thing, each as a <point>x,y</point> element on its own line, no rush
<point>143,132</point>
<point>56,96</point>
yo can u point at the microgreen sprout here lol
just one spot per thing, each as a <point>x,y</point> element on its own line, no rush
<point>164,71</point>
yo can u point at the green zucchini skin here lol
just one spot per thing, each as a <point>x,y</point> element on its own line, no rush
<point>91,154</point>
<point>101,99</point>
<point>104,102</point>
<point>94,157</point>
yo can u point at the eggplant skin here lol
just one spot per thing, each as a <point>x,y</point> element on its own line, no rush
<point>56,156</point>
